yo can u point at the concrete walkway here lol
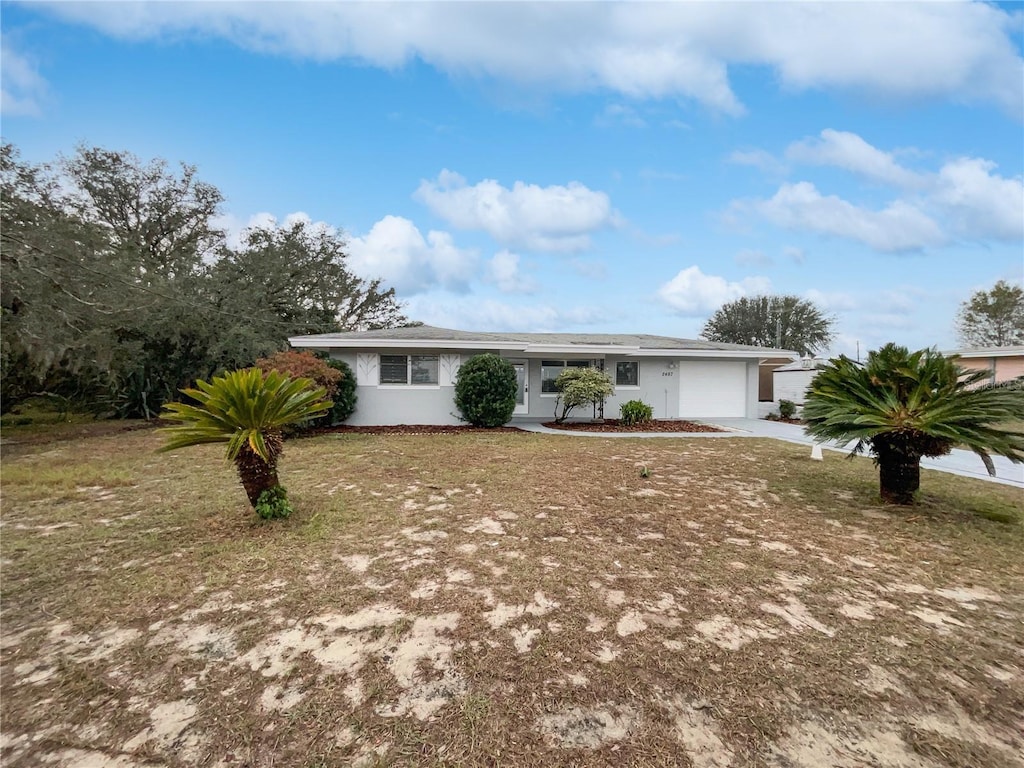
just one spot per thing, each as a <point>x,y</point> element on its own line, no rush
<point>959,462</point>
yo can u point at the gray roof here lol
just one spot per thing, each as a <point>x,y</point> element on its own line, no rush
<point>798,365</point>
<point>423,333</point>
<point>1009,351</point>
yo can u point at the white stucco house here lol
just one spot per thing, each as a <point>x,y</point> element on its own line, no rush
<point>407,375</point>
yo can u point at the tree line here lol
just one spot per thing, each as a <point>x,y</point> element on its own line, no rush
<point>119,288</point>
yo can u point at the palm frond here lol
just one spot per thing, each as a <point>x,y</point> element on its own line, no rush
<point>925,396</point>
<point>241,408</point>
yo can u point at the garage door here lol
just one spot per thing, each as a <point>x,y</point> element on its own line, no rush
<point>712,389</point>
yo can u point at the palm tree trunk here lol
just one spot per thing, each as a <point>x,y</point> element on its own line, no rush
<point>899,477</point>
<point>256,474</point>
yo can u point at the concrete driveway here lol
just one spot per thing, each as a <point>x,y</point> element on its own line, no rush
<point>959,462</point>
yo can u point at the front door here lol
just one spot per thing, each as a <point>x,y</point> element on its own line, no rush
<point>522,388</point>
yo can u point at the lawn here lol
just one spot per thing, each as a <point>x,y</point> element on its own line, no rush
<point>502,600</point>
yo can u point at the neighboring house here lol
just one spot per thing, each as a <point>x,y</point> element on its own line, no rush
<point>407,375</point>
<point>792,381</point>
<point>1003,363</point>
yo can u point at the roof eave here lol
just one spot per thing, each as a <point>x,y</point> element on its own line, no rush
<point>745,354</point>
<point>969,354</point>
<point>319,342</point>
<point>581,349</point>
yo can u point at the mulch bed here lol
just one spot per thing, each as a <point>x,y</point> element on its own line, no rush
<point>614,425</point>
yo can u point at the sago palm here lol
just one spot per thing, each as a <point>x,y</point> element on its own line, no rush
<point>246,409</point>
<point>902,406</point>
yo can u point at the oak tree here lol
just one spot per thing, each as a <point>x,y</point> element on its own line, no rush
<point>782,322</point>
<point>992,318</point>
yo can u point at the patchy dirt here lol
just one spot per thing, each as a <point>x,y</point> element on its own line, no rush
<point>614,425</point>
<point>407,429</point>
<point>445,599</point>
<point>588,729</point>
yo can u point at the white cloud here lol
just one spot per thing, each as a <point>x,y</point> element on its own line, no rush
<point>850,152</point>
<point>879,315</point>
<point>960,51</point>
<point>966,195</point>
<point>759,158</point>
<point>555,218</point>
<point>234,228</point>
<point>492,315</point>
<point>898,227</point>
<point>595,270</point>
<point>653,174</point>
<point>845,344</point>
<point>691,293</point>
<point>301,217</point>
<point>22,88</point>
<point>620,114</point>
<point>895,302</point>
<point>752,258</point>
<point>881,325</point>
<point>264,220</point>
<point>833,301</point>
<point>794,254</point>
<point>395,250</point>
<point>679,125</point>
<point>980,203</point>
<point>504,271</point>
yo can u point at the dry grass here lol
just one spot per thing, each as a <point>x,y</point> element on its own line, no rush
<point>507,599</point>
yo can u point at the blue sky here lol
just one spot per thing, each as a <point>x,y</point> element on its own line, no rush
<point>578,166</point>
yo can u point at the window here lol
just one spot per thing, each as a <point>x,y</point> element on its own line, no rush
<point>549,370</point>
<point>394,369</point>
<point>627,374</point>
<point>408,369</point>
<point>423,369</point>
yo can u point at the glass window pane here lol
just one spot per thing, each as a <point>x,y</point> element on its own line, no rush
<point>424,369</point>
<point>578,364</point>
<point>394,369</point>
<point>627,374</point>
<point>549,370</point>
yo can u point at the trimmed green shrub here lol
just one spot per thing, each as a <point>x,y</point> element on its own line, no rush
<point>307,365</point>
<point>344,396</point>
<point>581,386</point>
<point>635,412</point>
<point>335,376</point>
<point>485,390</point>
<point>787,409</point>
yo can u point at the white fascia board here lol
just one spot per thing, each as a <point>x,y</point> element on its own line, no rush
<point>579,349</point>
<point>310,341</point>
<point>984,354</point>
<point>725,354</point>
